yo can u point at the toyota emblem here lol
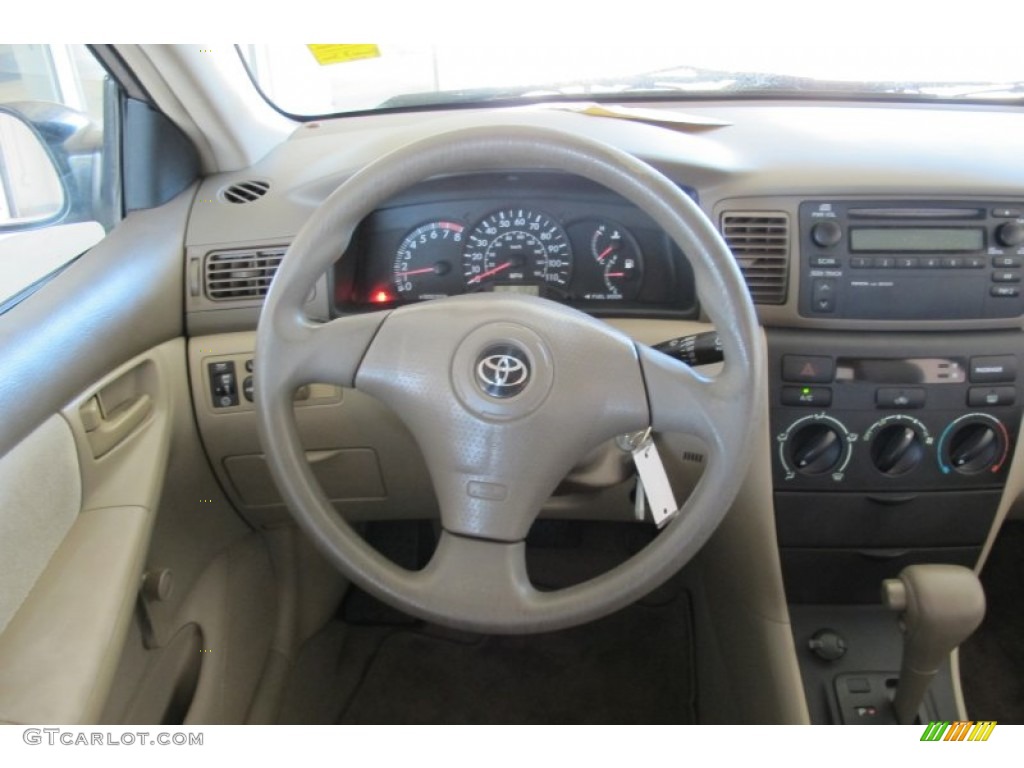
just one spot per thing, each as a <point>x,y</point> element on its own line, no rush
<point>503,371</point>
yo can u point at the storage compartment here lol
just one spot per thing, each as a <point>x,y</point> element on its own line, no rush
<point>940,519</point>
<point>855,576</point>
<point>165,695</point>
<point>344,474</point>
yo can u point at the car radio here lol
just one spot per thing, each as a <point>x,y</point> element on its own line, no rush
<point>948,260</point>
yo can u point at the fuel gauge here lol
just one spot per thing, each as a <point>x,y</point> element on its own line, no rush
<point>618,259</point>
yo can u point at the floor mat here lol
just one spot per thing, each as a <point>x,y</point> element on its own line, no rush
<point>632,667</point>
<point>375,665</point>
<point>992,660</point>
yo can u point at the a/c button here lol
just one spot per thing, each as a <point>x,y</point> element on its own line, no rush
<point>807,396</point>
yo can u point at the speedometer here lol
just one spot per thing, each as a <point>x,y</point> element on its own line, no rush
<point>517,246</point>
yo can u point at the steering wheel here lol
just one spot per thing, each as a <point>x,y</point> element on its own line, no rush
<point>505,393</point>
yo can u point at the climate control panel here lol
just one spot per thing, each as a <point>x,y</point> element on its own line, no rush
<point>918,412</point>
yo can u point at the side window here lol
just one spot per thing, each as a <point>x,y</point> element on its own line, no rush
<point>59,180</point>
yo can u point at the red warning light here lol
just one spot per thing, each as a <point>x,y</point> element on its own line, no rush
<point>381,297</point>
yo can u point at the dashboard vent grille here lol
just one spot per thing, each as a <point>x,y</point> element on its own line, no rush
<point>246,191</point>
<point>760,242</point>
<point>234,275</point>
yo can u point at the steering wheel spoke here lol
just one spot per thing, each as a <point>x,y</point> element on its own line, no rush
<point>684,400</point>
<point>328,353</point>
<point>497,588</point>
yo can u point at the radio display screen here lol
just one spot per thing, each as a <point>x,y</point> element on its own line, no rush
<point>916,239</point>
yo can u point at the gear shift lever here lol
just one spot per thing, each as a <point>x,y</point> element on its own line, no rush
<point>942,605</point>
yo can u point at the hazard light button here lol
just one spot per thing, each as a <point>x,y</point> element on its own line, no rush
<point>807,369</point>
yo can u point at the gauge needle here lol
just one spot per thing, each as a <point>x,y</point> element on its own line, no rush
<point>605,252</point>
<point>416,272</point>
<point>489,272</point>
<point>615,274</point>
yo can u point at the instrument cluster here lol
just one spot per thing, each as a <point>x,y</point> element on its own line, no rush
<point>549,235</point>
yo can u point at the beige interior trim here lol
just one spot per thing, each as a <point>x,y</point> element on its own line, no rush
<point>40,495</point>
<point>59,652</point>
<point>67,638</point>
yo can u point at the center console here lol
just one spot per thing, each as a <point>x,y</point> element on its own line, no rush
<point>890,447</point>
<point>888,450</point>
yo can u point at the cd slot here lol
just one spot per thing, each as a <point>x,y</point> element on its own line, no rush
<point>916,213</point>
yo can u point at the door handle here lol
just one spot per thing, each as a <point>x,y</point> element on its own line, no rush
<point>107,432</point>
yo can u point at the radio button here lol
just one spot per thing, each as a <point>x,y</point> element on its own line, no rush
<point>825,261</point>
<point>823,296</point>
<point>975,262</point>
<point>953,262</point>
<point>805,368</point>
<point>826,233</point>
<point>907,263</point>
<point>860,262</point>
<point>807,396</point>
<point>1007,213</point>
<point>1004,291</point>
<point>1006,277</point>
<point>884,262</point>
<point>1006,262</point>
<point>979,397</point>
<point>993,369</point>
<point>899,397</point>
<point>931,262</point>
<point>1010,233</point>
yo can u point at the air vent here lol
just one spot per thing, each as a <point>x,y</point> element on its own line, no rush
<point>760,243</point>
<point>235,275</point>
<point>246,191</point>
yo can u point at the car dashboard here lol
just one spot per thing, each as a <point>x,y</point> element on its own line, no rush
<point>882,245</point>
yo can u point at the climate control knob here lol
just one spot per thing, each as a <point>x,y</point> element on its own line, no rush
<point>897,449</point>
<point>815,449</point>
<point>973,444</point>
<point>816,446</point>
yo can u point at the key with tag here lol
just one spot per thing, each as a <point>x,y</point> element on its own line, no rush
<point>653,481</point>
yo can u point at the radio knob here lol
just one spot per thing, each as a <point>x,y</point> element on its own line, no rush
<point>1010,233</point>
<point>827,233</point>
<point>896,450</point>
<point>815,449</point>
<point>974,447</point>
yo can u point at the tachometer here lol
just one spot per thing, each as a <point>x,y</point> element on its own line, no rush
<point>425,257</point>
<point>517,246</point>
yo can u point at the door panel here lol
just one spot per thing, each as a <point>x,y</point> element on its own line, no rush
<point>83,540</point>
<point>40,496</point>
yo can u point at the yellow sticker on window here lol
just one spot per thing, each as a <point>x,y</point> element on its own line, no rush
<point>339,54</point>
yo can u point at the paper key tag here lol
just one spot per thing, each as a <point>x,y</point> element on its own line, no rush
<point>655,483</point>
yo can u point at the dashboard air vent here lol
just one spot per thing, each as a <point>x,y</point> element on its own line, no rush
<point>235,275</point>
<point>246,191</point>
<point>760,242</point>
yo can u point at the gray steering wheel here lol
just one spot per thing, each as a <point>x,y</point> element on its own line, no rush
<point>505,394</point>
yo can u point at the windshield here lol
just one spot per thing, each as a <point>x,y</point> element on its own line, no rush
<point>314,80</point>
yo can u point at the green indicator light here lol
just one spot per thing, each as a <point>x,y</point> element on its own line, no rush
<point>807,390</point>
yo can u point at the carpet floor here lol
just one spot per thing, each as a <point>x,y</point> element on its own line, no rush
<point>992,660</point>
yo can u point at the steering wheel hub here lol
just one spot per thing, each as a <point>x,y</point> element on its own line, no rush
<point>502,371</point>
